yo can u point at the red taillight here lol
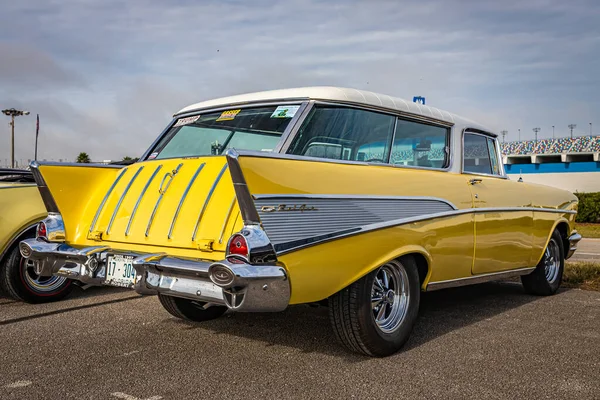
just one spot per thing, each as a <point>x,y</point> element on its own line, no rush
<point>238,246</point>
<point>41,230</point>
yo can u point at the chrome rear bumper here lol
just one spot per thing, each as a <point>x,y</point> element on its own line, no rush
<point>573,240</point>
<point>238,285</point>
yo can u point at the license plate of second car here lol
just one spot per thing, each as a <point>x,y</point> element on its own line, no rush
<point>120,271</point>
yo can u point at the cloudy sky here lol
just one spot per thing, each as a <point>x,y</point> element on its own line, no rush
<point>106,76</point>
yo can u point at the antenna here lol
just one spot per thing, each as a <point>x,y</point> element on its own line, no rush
<point>536,130</point>
<point>571,127</point>
<point>504,135</point>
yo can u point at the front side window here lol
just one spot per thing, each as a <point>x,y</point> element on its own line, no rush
<point>493,156</point>
<point>420,145</point>
<point>212,133</point>
<point>476,154</point>
<point>343,133</point>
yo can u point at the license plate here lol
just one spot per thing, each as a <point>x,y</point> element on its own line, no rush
<point>120,271</point>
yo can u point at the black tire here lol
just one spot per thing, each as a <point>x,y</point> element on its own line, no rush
<point>547,276</point>
<point>18,280</point>
<point>353,317</point>
<point>190,310</point>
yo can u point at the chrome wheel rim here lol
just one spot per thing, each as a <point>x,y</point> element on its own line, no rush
<point>552,261</point>
<point>41,284</point>
<point>390,297</point>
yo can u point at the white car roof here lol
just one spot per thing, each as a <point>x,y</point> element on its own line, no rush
<point>337,94</point>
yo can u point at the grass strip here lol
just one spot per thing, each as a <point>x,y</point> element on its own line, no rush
<point>588,230</point>
<point>583,275</point>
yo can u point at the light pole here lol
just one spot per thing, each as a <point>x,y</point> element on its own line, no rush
<point>536,130</point>
<point>12,113</point>
<point>590,129</point>
<point>552,131</point>
<point>503,136</point>
<point>571,127</point>
<point>519,134</point>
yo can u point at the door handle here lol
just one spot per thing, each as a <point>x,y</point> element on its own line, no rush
<point>475,181</point>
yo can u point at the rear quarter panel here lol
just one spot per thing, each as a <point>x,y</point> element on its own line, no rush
<point>20,207</point>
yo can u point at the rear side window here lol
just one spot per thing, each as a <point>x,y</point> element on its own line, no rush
<point>479,155</point>
<point>343,133</point>
<point>420,145</point>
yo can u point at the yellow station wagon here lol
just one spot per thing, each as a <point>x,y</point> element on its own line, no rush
<point>259,201</point>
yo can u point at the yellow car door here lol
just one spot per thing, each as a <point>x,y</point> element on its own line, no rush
<point>503,232</point>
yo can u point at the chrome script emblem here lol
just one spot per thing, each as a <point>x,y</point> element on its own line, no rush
<point>285,207</point>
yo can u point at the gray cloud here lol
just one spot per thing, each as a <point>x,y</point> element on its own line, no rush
<point>106,76</point>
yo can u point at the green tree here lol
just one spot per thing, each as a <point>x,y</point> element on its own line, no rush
<point>127,158</point>
<point>83,157</point>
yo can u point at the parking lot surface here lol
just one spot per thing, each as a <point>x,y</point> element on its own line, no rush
<point>487,341</point>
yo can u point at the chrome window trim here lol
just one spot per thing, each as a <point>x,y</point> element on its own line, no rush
<point>284,135</point>
<point>351,196</point>
<point>114,214</point>
<point>398,115</point>
<point>286,156</point>
<point>487,135</point>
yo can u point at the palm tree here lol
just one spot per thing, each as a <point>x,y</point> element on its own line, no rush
<point>83,158</point>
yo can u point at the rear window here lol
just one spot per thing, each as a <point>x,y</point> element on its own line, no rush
<point>212,133</point>
<point>345,134</point>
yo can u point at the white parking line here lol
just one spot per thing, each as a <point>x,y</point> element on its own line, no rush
<point>125,396</point>
<point>17,384</point>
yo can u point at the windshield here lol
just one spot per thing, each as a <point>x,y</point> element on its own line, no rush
<point>212,133</point>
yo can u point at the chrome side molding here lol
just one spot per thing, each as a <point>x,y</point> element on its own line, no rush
<point>494,276</point>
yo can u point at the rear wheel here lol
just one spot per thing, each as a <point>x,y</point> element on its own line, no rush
<point>547,276</point>
<point>190,310</point>
<point>375,314</point>
<point>19,280</point>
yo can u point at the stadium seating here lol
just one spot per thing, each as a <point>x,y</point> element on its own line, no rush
<point>582,144</point>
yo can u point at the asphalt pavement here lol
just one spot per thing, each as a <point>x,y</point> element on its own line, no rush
<point>487,341</point>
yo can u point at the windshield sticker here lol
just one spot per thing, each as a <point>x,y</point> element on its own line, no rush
<point>285,112</point>
<point>153,155</point>
<point>186,121</point>
<point>228,115</point>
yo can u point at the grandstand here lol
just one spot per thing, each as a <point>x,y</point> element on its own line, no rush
<point>568,163</point>
<point>580,145</point>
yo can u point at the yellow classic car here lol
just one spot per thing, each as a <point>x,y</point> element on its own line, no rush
<point>263,200</point>
<point>21,208</point>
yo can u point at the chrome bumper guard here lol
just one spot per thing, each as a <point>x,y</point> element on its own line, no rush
<point>240,286</point>
<point>573,240</point>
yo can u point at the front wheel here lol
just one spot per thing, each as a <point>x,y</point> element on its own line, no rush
<point>19,280</point>
<point>547,276</point>
<point>375,315</point>
<point>190,310</point>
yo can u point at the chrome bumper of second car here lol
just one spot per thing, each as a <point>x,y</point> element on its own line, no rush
<point>238,285</point>
<point>574,238</point>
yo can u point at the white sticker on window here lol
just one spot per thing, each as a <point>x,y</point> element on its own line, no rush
<point>285,111</point>
<point>186,121</point>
